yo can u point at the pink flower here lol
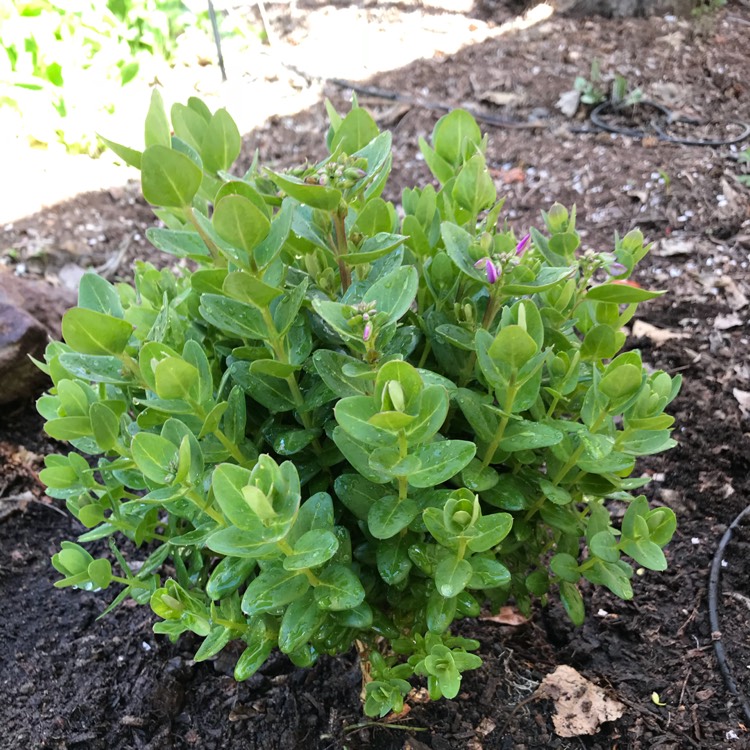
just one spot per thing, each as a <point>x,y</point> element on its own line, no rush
<point>523,244</point>
<point>367,332</point>
<point>490,268</point>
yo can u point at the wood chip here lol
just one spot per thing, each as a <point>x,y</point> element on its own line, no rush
<point>581,707</point>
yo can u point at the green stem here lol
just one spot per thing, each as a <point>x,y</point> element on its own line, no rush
<point>510,397</point>
<point>287,549</point>
<point>133,583</point>
<point>210,244</point>
<point>339,222</point>
<point>208,509</point>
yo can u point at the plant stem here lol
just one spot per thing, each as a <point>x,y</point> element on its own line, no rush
<point>210,244</point>
<point>339,222</point>
<point>509,398</point>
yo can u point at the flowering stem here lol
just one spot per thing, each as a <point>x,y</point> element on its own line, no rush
<point>341,248</point>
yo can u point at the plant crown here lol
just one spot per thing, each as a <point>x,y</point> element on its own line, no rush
<point>331,423</point>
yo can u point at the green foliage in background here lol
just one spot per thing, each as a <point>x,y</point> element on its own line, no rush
<point>338,423</point>
<point>60,61</point>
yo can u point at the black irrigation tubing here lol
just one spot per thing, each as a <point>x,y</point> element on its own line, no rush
<point>713,615</point>
<point>662,111</point>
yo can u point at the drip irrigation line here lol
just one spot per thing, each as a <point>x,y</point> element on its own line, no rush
<point>669,117</point>
<point>435,106</point>
<point>713,615</point>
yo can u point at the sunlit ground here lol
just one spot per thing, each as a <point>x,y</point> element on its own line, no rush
<point>280,78</point>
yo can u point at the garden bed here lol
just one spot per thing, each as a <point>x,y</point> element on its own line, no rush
<point>72,681</point>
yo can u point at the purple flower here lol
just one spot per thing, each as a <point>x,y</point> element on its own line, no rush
<point>367,332</point>
<point>523,244</point>
<point>490,268</point>
<point>616,269</point>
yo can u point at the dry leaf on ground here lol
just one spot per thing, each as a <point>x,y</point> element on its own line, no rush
<point>657,335</point>
<point>725,322</point>
<point>743,399</point>
<point>506,616</point>
<point>580,705</point>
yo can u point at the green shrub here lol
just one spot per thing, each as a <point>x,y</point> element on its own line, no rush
<point>332,424</point>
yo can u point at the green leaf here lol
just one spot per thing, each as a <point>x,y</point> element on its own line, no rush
<point>389,515</point>
<point>96,293</point>
<point>254,656</point>
<point>573,602</point>
<point>338,588</point>
<point>274,588</point>
<point>394,292</point>
<point>454,134</point>
<point>315,196</point>
<point>565,567</point>
<point>440,612</point>
<point>474,189</point>
<point>213,643</point>
<point>228,481</point>
<point>100,573</point>
<point>439,167</point>
<point>188,125</point>
<point>373,248</point>
<point>157,129</point>
<point>604,545</point>
<point>393,560</point>
<point>354,414</point>
<point>299,623</point>
<point>130,156</point>
<point>91,332</point>
<point>357,494</point>
<point>169,178</point>
<point>247,288</point>
<point>234,317</point>
<point>525,435</point>
<point>440,461</point>
<point>513,346</point>
<point>176,379</point>
<point>645,552</point>
<point>222,142</point>
<point>106,426</point>
<point>228,576</point>
<point>620,293</point>
<point>240,222</point>
<point>554,493</point>
<point>311,550</point>
<point>355,131</point>
<point>357,455</point>
<point>155,456</point>
<point>488,573</point>
<point>489,531</point>
<point>330,366</point>
<point>452,576</point>
<point>99,369</point>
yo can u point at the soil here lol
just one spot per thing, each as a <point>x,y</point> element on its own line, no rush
<point>72,681</point>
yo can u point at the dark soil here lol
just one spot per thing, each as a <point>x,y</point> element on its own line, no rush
<point>71,681</point>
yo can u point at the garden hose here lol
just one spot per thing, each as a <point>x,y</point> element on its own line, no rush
<point>609,106</point>
<point>713,615</point>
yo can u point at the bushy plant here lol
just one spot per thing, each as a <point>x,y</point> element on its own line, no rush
<point>334,422</point>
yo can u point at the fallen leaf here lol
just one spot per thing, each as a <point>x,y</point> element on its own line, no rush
<point>725,322</point>
<point>658,335</point>
<point>735,296</point>
<point>580,705</point>
<point>501,98</point>
<point>674,246</point>
<point>568,102</point>
<point>743,399</point>
<point>507,616</point>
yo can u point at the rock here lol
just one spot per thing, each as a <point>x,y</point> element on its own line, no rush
<point>21,336</point>
<point>40,299</point>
